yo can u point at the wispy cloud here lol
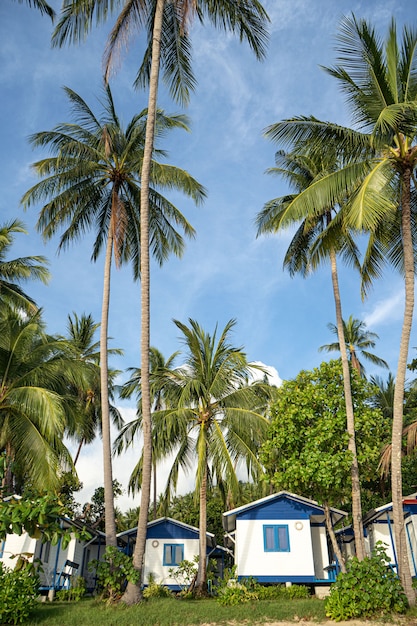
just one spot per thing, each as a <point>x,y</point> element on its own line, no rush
<point>386,311</point>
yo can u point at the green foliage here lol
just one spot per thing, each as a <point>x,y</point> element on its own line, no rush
<point>369,587</point>
<point>18,593</point>
<point>235,593</point>
<point>319,462</point>
<point>185,572</point>
<point>39,516</point>
<point>94,511</point>
<point>155,590</point>
<point>186,508</point>
<point>231,592</point>
<point>75,592</point>
<point>113,573</point>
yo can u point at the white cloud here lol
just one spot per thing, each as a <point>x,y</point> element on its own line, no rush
<point>386,311</point>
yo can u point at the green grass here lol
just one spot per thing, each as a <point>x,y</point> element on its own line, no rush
<point>173,612</point>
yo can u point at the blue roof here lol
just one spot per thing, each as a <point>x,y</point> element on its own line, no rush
<point>167,528</point>
<point>282,505</point>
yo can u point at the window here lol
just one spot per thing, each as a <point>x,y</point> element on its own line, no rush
<point>2,544</point>
<point>276,538</point>
<point>173,553</point>
<point>45,551</point>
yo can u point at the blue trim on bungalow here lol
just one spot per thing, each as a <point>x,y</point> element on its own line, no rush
<point>282,507</point>
<point>284,579</point>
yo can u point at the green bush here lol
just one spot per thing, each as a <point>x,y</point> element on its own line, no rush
<point>232,592</point>
<point>275,592</point>
<point>18,593</point>
<point>74,593</point>
<point>369,587</point>
<point>155,590</point>
<point>113,573</point>
<point>235,593</point>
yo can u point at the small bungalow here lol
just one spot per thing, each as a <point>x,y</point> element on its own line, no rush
<point>379,526</point>
<point>168,542</point>
<point>58,564</point>
<point>282,538</point>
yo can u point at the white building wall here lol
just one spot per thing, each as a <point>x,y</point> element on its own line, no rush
<point>15,544</point>
<point>380,532</point>
<point>252,560</point>
<point>320,551</point>
<point>154,558</point>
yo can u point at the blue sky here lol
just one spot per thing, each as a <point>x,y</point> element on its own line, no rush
<point>226,272</point>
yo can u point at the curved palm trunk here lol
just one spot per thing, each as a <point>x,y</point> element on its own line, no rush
<point>201,583</point>
<point>77,454</point>
<point>336,548</point>
<point>133,592</point>
<point>397,422</point>
<point>350,420</point>
<point>110,522</point>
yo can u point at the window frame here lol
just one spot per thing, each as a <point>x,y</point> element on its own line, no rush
<point>173,548</point>
<point>278,545</point>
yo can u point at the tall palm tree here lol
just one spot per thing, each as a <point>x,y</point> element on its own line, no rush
<point>41,5</point>
<point>162,442</point>
<point>81,335</point>
<point>379,80</point>
<point>310,245</point>
<point>168,46</point>
<point>35,372</point>
<point>19,270</point>
<point>216,416</point>
<point>93,182</point>
<point>358,339</point>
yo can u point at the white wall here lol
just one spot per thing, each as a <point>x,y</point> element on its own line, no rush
<point>252,560</point>
<point>380,532</point>
<point>154,558</point>
<point>15,544</point>
<point>320,551</point>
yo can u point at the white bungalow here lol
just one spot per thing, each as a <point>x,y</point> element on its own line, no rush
<point>58,564</point>
<point>379,526</point>
<point>282,539</point>
<point>168,542</point>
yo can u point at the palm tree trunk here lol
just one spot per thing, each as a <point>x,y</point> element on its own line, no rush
<point>336,548</point>
<point>397,422</point>
<point>77,454</point>
<point>201,583</point>
<point>132,594</point>
<point>110,522</point>
<point>350,420</point>
<point>154,490</point>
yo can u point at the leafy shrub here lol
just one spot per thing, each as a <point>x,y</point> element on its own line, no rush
<point>113,573</point>
<point>367,588</point>
<point>274,592</point>
<point>235,593</point>
<point>74,593</point>
<point>231,592</point>
<point>156,590</point>
<point>184,573</point>
<point>18,593</point>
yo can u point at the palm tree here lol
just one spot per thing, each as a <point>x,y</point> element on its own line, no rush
<point>168,47</point>
<point>216,415</point>
<point>41,5</point>
<point>310,245</point>
<point>16,271</point>
<point>162,444</point>
<point>358,339</point>
<point>35,372</point>
<point>81,333</point>
<point>93,182</point>
<point>379,79</point>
